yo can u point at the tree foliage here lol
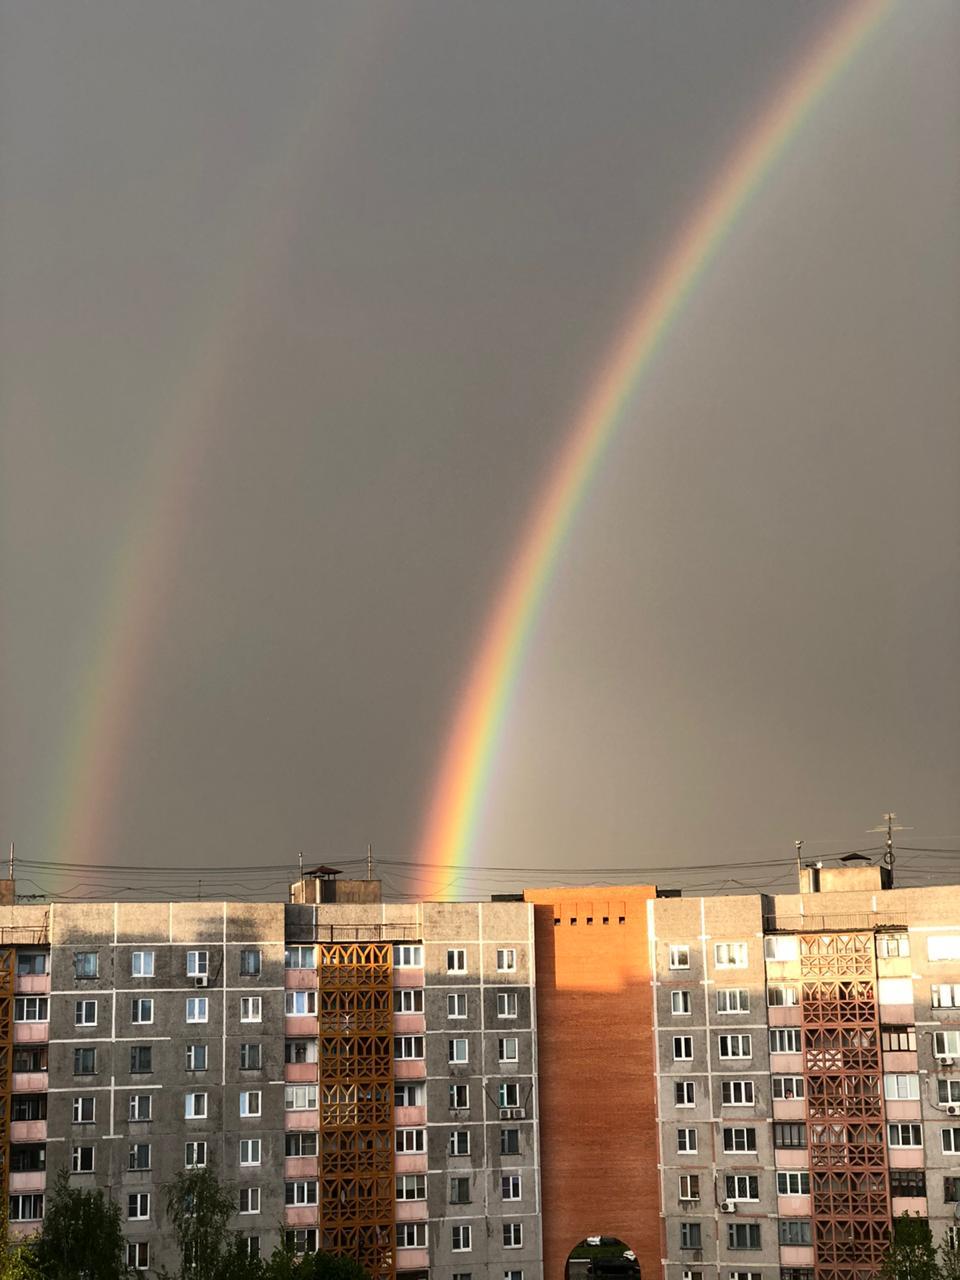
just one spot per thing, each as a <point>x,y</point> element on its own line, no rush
<point>81,1238</point>
<point>200,1209</point>
<point>911,1255</point>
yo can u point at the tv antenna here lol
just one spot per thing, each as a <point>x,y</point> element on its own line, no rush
<point>890,825</point>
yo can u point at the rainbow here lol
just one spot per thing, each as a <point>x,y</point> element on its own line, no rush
<point>463,778</point>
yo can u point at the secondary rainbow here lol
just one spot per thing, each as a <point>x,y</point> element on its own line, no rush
<point>462,782</point>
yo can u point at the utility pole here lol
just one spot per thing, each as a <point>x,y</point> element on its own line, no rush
<point>799,846</point>
<point>369,861</point>
<point>11,861</point>
<point>890,826</point>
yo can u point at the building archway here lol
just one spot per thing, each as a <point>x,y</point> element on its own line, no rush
<point>600,1257</point>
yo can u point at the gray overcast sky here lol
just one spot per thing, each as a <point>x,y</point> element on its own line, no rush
<point>298,301</point>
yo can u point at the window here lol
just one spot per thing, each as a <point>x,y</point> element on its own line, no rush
<point>138,1206</point>
<point>508,1094</point>
<point>300,1051</point>
<point>300,1097</point>
<point>456,1005</point>
<point>458,1143</point>
<point>510,1187</point>
<point>742,1186</point>
<point>31,1009</point>
<point>948,1091</point>
<point>250,1102</point>
<point>680,1001</point>
<point>301,1143</point>
<point>249,1200</point>
<point>893,944</point>
<point>779,997</point>
<point>140,1106</point>
<point>735,1046</point>
<point>506,960</point>
<point>459,1190</point>
<point>138,1156</point>
<point>736,1093</point>
<point>26,1208</point>
<point>787,1088</point>
<point>512,1235</point>
<point>28,1106</point>
<point>686,1142</point>
<point>408,1000</point>
<point>141,1011</point>
<point>251,962</point>
<point>679,956</point>
<point>908,1182</point>
<point>29,1057</point>
<point>194,1155</point>
<point>950,1140</point>
<point>251,1056</point>
<point>411,1235</point>
<point>301,1240</point>
<point>84,1110</point>
<point>688,1186</point>
<point>682,1048</point>
<point>198,1008</point>
<point>250,1009</point>
<point>793,1184</point>
<point>196,1057</point>
<point>84,1062</point>
<point>28,1157</point>
<point>730,955</point>
<point>410,1141</point>
<point>300,958</point>
<point>946,1044</point>
<point>457,960</point>
<point>138,1254</point>
<point>901,1086</point>
<point>794,1231</point>
<point>691,1236</point>
<point>743,1235</point>
<point>951,1187</point>
<point>508,1049</point>
<point>142,964</point>
<point>408,1095</point>
<point>85,964</point>
<point>411,1186</point>
<point>509,1142</point>
<point>85,1014</point>
<point>31,963</point>
<point>785,1040</point>
<point>460,1239</point>
<point>789,1135</point>
<point>198,964</point>
<point>141,1059</point>
<point>898,1039</point>
<point>684,1093</point>
<point>405,957</point>
<point>733,1000</point>
<point>506,1004</point>
<point>509,1275</point>
<point>406,1047</point>
<point>82,1161</point>
<point>943,946</point>
<point>783,949</point>
<point>195,1106</point>
<point>904,1135</point>
<point>250,1151</point>
<point>945,995</point>
<point>739,1139</point>
<point>300,1003</point>
<point>300,1191</point>
<point>459,1097</point>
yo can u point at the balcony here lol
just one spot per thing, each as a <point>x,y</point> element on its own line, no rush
<point>828,922</point>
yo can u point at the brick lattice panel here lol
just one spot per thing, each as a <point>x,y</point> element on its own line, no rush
<point>843,1072</point>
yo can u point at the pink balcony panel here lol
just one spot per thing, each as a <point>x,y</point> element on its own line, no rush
<point>300,1215</point>
<point>905,1062</point>
<point>410,1069</point>
<point>408,977</point>
<point>414,1163</point>
<point>302,1027</point>
<point>31,1032</point>
<point>412,1211</point>
<point>29,1082</point>
<point>300,979</point>
<point>786,1064</point>
<point>789,1109</point>
<point>795,1255</point>
<point>789,1158</point>
<point>902,1109</point>
<point>300,1167</point>
<point>784,1016</point>
<point>896,1014</point>
<point>412,1260</point>
<point>300,1073</point>
<point>28,1131</point>
<point>905,1157</point>
<point>22,1182</point>
<point>409,1117</point>
<point>31,983</point>
<point>794,1206</point>
<point>20,1230</point>
<point>409,1024</point>
<point>301,1120</point>
<point>908,1204</point>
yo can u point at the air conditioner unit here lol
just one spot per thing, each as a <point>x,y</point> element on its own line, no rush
<point>518,1113</point>
<point>728,1206</point>
<point>201,980</point>
<point>506,1113</point>
<point>944,1060</point>
<point>953,1110</point>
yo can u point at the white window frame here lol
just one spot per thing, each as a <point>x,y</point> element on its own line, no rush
<point>135,1107</point>
<point>456,1004</point>
<point>731,955</point>
<point>137,1006</point>
<point>83,1159</point>
<point>408,1000</point>
<point>508,1049</point>
<point>461,1238</point>
<point>741,1184</point>
<point>507,1004</point>
<point>195,1154</point>
<point>409,1141</point>
<point>687,1089</point>
<point>198,964</point>
<point>197,1010</point>
<point>687,1142</point>
<point>140,1201</point>
<point>901,1086</point>
<point>679,955</point>
<point>735,1045</point>
<point>252,1195</point>
<point>897,1130</point>
<point>744,1087</point>
<point>407,956</point>
<point>688,1188</point>
<point>733,1000</point>
<point>300,956</point>
<point>680,1003</point>
<point>511,1186</point>
<point>458,1050</point>
<point>192,1056</point>
<point>143,964</point>
<point>82,1010</point>
<point>31,1009</point>
<point>195,1106</point>
<point>411,1235</point>
<point>793,1182</point>
<point>456,960</point>
<point>251,1009</point>
<point>250,1152</point>
<point>251,1103</point>
<point>779,1084</point>
<point>786,1035</point>
<point>300,1097</point>
<point>683,1048</point>
<point>506,959</point>
<point>306,997</point>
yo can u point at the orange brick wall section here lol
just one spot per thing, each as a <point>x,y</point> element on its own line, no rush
<point>598,1127</point>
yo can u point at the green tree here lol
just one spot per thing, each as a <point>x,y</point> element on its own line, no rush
<point>17,1257</point>
<point>328,1266</point>
<point>948,1261</point>
<point>200,1209</point>
<point>81,1238</point>
<point>911,1255</point>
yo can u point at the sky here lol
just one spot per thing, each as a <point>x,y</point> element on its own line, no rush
<point>299,302</point>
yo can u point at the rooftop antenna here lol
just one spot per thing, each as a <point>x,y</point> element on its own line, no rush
<point>11,860</point>
<point>300,860</point>
<point>799,846</point>
<point>369,861</point>
<point>890,826</point>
